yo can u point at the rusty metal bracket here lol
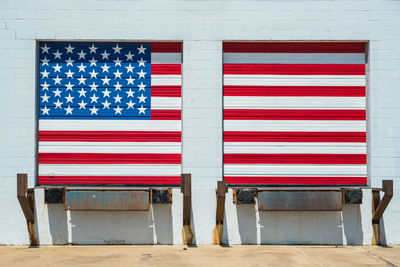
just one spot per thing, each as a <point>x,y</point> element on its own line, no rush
<point>186,190</point>
<point>27,202</point>
<point>378,208</point>
<point>222,189</point>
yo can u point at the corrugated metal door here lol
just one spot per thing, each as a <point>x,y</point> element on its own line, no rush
<point>109,113</point>
<point>295,113</point>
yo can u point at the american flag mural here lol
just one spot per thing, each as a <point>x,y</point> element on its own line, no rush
<point>109,113</point>
<point>295,113</point>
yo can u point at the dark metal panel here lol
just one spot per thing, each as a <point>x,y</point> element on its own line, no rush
<point>161,195</point>
<point>300,200</point>
<point>107,200</point>
<point>244,196</point>
<point>53,195</point>
<point>353,196</point>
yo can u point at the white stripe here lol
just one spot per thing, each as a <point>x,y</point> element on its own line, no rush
<point>295,80</point>
<point>277,102</point>
<point>166,58</point>
<point>294,58</point>
<point>109,169</point>
<point>294,147</point>
<point>294,126</point>
<point>293,169</point>
<point>109,125</point>
<point>166,102</point>
<point>166,79</point>
<point>110,147</point>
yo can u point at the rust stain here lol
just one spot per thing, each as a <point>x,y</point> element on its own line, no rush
<point>217,233</point>
<point>32,236</point>
<point>187,235</point>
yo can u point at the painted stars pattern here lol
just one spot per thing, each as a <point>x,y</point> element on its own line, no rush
<point>95,80</point>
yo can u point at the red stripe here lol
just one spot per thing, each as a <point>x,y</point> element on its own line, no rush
<point>295,158</point>
<point>349,91</point>
<point>85,180</point>
<point>293,114</point>
<point>110,136</point>
<point>296,180</point>
<point>166,47</point>
<point>108,158</point>
<point>166,91</point>
<point>165,114</point>
<point>166,69</point>
<point>294,47</point>
<point>295,69</point>
<point>238,136</point>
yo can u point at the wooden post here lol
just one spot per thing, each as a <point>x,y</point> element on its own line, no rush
<point>186,189</point>
<point>378,208</point>
<point>218,232</point>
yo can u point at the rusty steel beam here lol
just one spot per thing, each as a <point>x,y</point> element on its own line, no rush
<point>186,190</point>
<point>222,189</point>
<point>378,208</point>
<point>26,200</point>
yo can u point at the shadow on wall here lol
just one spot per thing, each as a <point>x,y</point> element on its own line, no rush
<point>300,227</point>
<point>111,227</point>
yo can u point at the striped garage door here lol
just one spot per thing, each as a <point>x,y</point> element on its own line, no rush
<point>295,113</point>
<point>109,113</point>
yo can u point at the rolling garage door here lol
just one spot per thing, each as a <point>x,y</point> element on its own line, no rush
<point>109,113</point>
<point>295,113</point>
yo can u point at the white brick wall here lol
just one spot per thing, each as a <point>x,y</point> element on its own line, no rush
<point>202,25</point>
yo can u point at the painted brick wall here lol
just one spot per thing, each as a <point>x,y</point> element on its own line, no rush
<point>202,25</point>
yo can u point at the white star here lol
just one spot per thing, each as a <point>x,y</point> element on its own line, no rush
<point>117,62</point>
<point>130,93</point>
<point>129,56</point>
<point>45,110</point>
<point>130,104</point>
<point>45,49</point>
<point>93,87</point>
<point>106,80</point>
<point>106,93</point>
<point>141,62</point>
<point>141,74</point>
<point>94,98</point>
<point>117,86</point>
<point>117,49</point>
<point>69,98</point>
<point>45,74</point>
<point>45,61</point>
<point>93,49</point>
<point>93,110</point>
<point>142,110</point>
<point>93,62</point>
<point>130,80</point>
<point>82,54</point>
<point>82,93</point>
<point>142,98</point>
<point>45,98</point>
<point>45,86</point>
<point>93,74</point>
<point>82,67</point>
<point>105,67</point>
<point>106,104</point>
<point>69,86</point>
<point>117,74</point>
<point>117,99</point>
<point>58,104</point>
<point>69,49</point>
<point>129,68</point>
<point>57,54</point>
<point>118,110</point>
<point>82,105</point>
<point>69,74</point>
<point>142,86</point>
<point>69,61</point>
<point>141,49</point>
<point>57,93</point>
<point>105,54</point>
<point>81,80</point>
<point>69,110</point>
<point>57,68</point>
<point>57,80</point>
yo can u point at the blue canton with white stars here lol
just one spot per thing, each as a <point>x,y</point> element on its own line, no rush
<point>100,80</point>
